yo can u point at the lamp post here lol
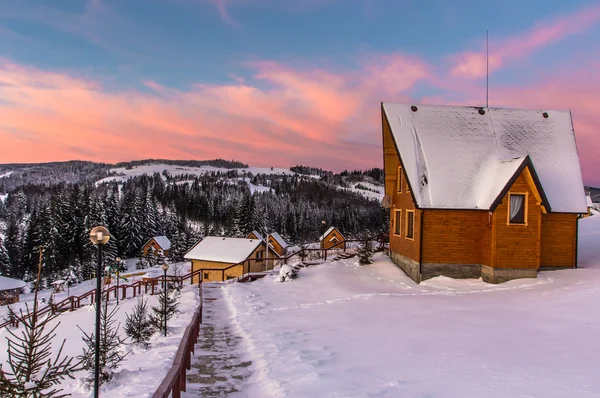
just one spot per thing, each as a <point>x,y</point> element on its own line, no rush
<point>118,260</point>
<point>99,237</point>
<point>165,268</point>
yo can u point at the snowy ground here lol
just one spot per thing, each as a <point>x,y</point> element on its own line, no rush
<point>143,370</point>
<point>368,193</point>
<point>341,330</point>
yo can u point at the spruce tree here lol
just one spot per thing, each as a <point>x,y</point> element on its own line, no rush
<point>159,312</point>
<point>365,252</point>
<point>33,372</point>
<point>138,326</point>
<point>111,351</point>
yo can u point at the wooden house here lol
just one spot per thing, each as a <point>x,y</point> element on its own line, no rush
<point>10,289</point>
<point>226,258</point>
<point>157,243</point>
<point>481,192</point>
<point>277,245</point>
<point>332,237</point>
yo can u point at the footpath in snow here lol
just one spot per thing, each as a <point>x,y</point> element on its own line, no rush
<point>342,330</point>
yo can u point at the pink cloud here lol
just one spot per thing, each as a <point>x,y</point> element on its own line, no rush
<point>285,117</point>
<point>472,64</point>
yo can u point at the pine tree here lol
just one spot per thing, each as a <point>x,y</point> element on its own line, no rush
<point>138,326</point>
<point>365,252</point>
<point>4,260</point>
<point>157,318</point>
<point>111,352</point>
<point>33,372</point>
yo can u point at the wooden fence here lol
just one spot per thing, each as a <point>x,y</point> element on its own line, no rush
<point>175,380</point>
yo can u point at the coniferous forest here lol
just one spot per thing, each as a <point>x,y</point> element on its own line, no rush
<point>56,205</point>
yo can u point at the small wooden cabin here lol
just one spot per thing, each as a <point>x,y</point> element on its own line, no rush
<point>227,258</point>
<point>333,237</point>
<point>10,289</point>
<point>277,243</point>
<point>481,192</point>
<point>157,243</point>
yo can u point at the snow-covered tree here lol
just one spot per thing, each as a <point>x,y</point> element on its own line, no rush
<point>34,371</point>
<point>164,309</point>
<point>138,326</point>
<point>365,252</point>
<point>112,350</point>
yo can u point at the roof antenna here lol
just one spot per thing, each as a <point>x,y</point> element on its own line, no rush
<point>487,70</point>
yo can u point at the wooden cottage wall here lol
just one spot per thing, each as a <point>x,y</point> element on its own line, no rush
<point>559,240</point>
<point>517,246</point>
<point>276,246</point>
<point>456,236</point>
<point>400,201</point>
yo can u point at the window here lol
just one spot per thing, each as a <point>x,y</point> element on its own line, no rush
<point>410,224</point>
<point>517,208</point>
<point>205,275</point>
<point>259,255</point>
<point>397,218</point>
<point>399,179</point>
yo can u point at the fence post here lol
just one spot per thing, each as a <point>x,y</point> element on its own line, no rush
<point>325,254</point>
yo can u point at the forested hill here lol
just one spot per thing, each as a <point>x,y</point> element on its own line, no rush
<point>56,204</point>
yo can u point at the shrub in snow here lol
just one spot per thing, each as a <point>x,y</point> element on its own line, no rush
<point>141,263</point>
<point>287,273</point>
<point>365,252</point>
<point>33,373</point>
<point>137,324</point>
<point>111,347</point>
<point>157,318</point>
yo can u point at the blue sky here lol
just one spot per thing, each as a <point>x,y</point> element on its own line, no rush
<point>160,52</point>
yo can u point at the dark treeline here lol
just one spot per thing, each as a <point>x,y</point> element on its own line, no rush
<point>59,216</point>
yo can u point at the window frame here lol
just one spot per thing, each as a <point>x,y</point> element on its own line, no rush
<point>260,255</point>
<point>413,225</point>
<point>399,180</point>
<point>526,210</point>
<point>398,222</point>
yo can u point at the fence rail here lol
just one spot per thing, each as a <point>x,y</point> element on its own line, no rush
<point>175,380</point>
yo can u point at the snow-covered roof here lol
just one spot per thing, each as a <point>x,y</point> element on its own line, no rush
<point>588,200</point>
<point>162,241</point>
<point>10,283</point>
<point>223,250</point>
<point>455,157</point>
<point>327,233</point>
<point>255,233</point>
<point>279,239</point>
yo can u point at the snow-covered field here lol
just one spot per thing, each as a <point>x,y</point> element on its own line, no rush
<point>123,174</point>
<point>142,370</point>
<point>368,193</point>
<point>342,330</point>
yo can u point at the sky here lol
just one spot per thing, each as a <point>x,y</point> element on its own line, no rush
<point>278,82</point>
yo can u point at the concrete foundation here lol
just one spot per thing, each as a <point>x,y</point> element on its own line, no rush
<point>500,275</point>
<point>457,271</point>
<point>409,266</point>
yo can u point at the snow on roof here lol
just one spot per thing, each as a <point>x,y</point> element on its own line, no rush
<point>588,200</point>
<point>10,283</point>
<point>454,157</point>
<point>255,233</point>
<point>279,239</point>
<point>223,250</point>
<point>327,233</point>
<point>162,241</point>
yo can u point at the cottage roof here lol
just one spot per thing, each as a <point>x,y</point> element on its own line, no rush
<point>279,239</point>
<point>256,233</point>
<point>456,158</point>
<point>224,250</point>
<point>162,241</point>
<point>328,232</point>
<point>10,283</point>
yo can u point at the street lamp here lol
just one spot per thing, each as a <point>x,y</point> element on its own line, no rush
<point>99,237</point>
<point>118,260</point>
<point>165,268</point>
